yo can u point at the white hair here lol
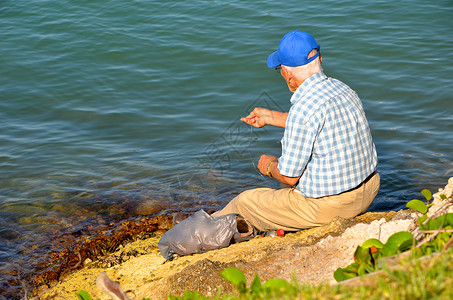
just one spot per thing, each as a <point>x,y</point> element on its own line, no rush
<point>305,71</point>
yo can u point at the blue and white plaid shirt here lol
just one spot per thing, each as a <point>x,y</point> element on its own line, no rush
<point>327,139</point>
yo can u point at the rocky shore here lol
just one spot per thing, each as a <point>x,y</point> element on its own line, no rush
<point>311,255</point>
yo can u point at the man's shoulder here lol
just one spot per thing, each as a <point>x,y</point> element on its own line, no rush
<point>315,95</point>
<point>320,98</point>
<point>307,110</point>
<point>336,84</point>
<point>319,86</point>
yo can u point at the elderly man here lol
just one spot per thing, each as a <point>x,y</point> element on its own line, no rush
<point>328,155</point>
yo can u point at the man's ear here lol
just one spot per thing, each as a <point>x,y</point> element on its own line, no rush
<point>289,78</point>
<point>286,73</point>
<point>320,57</point>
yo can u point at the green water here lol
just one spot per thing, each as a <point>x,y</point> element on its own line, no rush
<point>109,109</point>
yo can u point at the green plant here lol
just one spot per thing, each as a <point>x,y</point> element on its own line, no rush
<point>438,230</point>
<point>420,206</point>
<point>257,289</point>
<point>82,295</point>
<point>191,296</point>
<point>366,256</point>
<point>272,288</point>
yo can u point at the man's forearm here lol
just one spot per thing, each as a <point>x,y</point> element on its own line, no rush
<point>275,173</point>
<point>278,118</point>
<point>268,165</point>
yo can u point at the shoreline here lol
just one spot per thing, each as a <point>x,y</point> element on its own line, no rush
<point>312,255</point>
<point>139,267</point>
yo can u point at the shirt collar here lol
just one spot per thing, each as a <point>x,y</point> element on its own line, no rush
<point>306,85</point>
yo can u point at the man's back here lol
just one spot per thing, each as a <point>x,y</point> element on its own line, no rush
<point>327,138</point>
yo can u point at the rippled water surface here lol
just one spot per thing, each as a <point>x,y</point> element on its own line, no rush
<point>111,109</point>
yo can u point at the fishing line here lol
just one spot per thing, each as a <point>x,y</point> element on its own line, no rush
<point>250,155</point>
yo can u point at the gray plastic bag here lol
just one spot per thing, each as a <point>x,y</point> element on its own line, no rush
<point>197,234</point>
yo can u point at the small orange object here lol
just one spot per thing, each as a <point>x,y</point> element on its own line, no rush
<point>373,249</point>
<point>280,232</point>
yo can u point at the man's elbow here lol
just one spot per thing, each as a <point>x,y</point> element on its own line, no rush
<point>291,180</point>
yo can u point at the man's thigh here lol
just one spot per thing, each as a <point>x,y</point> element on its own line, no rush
<point>269,209</point>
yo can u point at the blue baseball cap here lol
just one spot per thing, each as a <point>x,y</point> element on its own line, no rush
<point>293,50</point>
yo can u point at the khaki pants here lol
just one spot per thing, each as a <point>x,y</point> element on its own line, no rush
<point>288,209</point>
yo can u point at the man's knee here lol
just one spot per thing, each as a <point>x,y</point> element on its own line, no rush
<point>245,199</point>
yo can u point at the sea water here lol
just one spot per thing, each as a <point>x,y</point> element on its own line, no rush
<point>113,109</point>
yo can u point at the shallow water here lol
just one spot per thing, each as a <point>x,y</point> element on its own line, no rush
<point>113,109</point>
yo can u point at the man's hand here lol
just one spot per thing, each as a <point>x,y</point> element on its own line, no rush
<point>265,165</point>
<point>260,117</point>
<point>264,162</point>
